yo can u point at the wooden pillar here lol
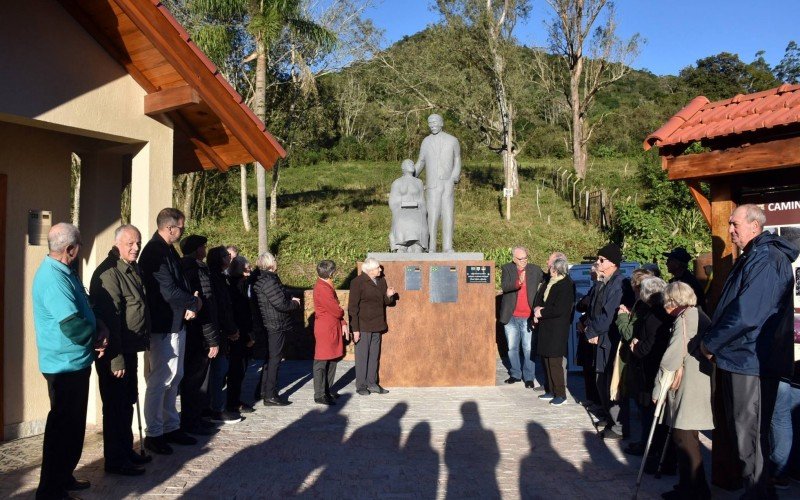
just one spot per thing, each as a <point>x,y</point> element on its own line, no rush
<point>725,465</point>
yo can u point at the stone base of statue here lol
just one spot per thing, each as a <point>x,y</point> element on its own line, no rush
<point>442,329</point>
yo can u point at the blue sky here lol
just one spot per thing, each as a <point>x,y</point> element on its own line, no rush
<point>678,32</point>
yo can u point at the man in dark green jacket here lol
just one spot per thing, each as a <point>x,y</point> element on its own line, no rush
<point>118,299</point>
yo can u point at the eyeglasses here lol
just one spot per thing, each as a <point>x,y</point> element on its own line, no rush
<point>179,228</point>
<point>521,258</point>
<point>602,260</point>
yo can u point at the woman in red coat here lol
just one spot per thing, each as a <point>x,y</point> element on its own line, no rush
<point>329,330</point>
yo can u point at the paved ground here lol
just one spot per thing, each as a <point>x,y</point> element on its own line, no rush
<point>466,442</point>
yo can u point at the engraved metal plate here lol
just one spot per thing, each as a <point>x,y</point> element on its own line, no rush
<point>479,274</point>
<point>444,284</point>
<point>413,278</point>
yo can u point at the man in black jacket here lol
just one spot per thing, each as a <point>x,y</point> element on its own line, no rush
<point>171,302</point>
<point>520,282</point>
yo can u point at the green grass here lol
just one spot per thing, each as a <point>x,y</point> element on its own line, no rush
<point>340,211</point>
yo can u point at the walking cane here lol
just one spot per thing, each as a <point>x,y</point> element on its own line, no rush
<point>139,419</point>
<point>666,382</point>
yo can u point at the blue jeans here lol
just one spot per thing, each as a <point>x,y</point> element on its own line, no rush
<point>216,382</point>
<point>518,332</point>
<point>252,376</point>
<point>785,444</point>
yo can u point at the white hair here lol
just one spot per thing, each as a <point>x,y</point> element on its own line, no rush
<point>61,236</point>
<point>266,262</point>
<point>370,264</point>
<point>122,229</point>
<point>561,266</point>
<point>754,214</point>
<point>679,294</point>
<point>650,288</point>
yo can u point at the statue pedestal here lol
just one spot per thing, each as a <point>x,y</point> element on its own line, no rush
<point>442,329</point>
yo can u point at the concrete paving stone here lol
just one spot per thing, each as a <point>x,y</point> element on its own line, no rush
<point>453,442</point>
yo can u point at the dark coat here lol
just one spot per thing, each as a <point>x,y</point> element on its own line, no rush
<point>752,329</point>
<point>206,324</point>
<point>168,292</point>
<point>257,331</point>
<point>118,299</point>
<point>242,316</point>
<point>652,328</point>
<point>602,315</point>
<point>274,304</point>
<point>328,322</point>
<point>509,284</point>
<point>554,325</point>
<point>367,304</point>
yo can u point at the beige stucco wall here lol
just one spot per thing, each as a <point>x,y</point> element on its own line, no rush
<point>60,93</point>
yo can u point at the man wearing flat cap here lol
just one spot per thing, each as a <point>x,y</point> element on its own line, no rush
<point>678,266</point>
<point>601,330</point>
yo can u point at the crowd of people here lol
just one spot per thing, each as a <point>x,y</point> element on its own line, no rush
<point>214,332</point>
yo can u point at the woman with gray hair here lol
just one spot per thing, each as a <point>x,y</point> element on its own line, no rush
<point>552,314</point>
<point>273,315</point>
<point>688,408</point>
<point>369,297</point>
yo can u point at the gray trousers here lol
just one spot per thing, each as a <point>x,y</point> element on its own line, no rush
<point>749,402</point>
<point>617,412</point>
<point>368,356</point>
<point>324,375</point>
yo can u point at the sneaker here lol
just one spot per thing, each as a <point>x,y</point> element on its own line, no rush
<point>179,437</point>
<point>363,392</point>
<point>547,396</point>
<point>557,401</point>
<point>539,388</point>
<point>226,417</point>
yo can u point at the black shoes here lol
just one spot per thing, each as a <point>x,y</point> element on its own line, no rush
<point>158,445</point>
<point>226,417</point>
<point>334,395</point>
<point>244,408</point>
<point>529,384</point>
<point>138,459</point>
<point>363,392</point>
<point>635,449</point>
<point>275,402</point>
<point>609,434</point>
<point>325,400</point>
<point>126,470</point>
<point>377,390</point>
<point>78,484</point>
<point>200,428</point>
<point>511,380</point>
<point>179,437</point>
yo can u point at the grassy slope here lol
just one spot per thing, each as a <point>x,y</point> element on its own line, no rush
<point>340,211</point>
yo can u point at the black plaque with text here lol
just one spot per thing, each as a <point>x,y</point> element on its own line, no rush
<point>413,278</point>
<point>444,284</point>
<point>479,274</point>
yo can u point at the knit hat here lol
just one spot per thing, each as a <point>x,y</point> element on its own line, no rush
<point>191,243</point>
<point>611,252</point>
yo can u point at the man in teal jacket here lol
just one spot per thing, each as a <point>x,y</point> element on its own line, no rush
<point>66,337</point>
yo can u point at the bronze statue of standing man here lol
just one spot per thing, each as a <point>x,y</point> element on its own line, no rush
<point>441,153</point>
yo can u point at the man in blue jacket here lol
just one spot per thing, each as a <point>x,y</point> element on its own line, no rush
<point>750,339</point>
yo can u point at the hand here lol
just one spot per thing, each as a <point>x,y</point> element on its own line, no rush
<point>233,337</point>
<point>390,291</point>
<point>623,309</point>
<point>251,343</point>
<point>581,327</point>
<point>296,299</point>
<point>706,352</point>
<point>537,312</point>
<point>199,301</point>
<point>345,330</point>
<point>100,346</point>
<point>356,337</point>
<point>594,340</point>
<point>189,315</point>
<point>212,352</point>
<point>634,342</point>
<point>522,277</point>
<point>119,373</point>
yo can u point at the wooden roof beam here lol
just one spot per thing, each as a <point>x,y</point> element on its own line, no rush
<point>702,202</point>
<point>170,99</point>
<point>198,143</point>
<point>747,158</point>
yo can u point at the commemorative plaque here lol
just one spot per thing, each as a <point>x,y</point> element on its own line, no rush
<point>444,284</point>
<point>413,278</point>
<point>479,274</point>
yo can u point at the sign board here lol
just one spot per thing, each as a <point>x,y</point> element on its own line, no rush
<point>443,284</point>
<point>413,278</point>
<point>508,192</point>
<point>479,274</point>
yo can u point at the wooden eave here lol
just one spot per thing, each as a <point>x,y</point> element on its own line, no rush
<point>214,128</point>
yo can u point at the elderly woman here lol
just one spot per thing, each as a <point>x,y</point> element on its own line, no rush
<point>552,313</point>
<point>369,296</point>
<point>688,408</point>
<point>409,216</point>
<point>648,327</point>
<point>329,328</point>
<point>274,307</point>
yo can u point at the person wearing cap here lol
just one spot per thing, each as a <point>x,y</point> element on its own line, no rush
<point>601,330</point>
<point>678,266</point>
<point>171,303</point>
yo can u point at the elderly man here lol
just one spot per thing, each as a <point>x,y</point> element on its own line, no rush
<point>519,282</point>
<point>678,266</point>
<point>66,338</point>
<point>118,298</point>
<point>601,331</point>
<point>171,302</point>
<point>441,153</point>
<point>750,338</point>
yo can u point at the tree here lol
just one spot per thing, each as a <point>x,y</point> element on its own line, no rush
<point>489,25</point>
<point>788,70</point>
<point>724,75</point>
<point>577,77</point>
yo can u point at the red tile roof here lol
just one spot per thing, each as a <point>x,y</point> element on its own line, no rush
<point>702,119</point>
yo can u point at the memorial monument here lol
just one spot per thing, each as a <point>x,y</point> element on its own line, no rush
<point>409,216</point>
<point>441,154</point>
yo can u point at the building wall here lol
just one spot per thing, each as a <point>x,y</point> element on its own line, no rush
<point>62,93</point>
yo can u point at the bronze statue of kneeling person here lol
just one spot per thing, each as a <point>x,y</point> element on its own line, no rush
<point>409,214</point>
